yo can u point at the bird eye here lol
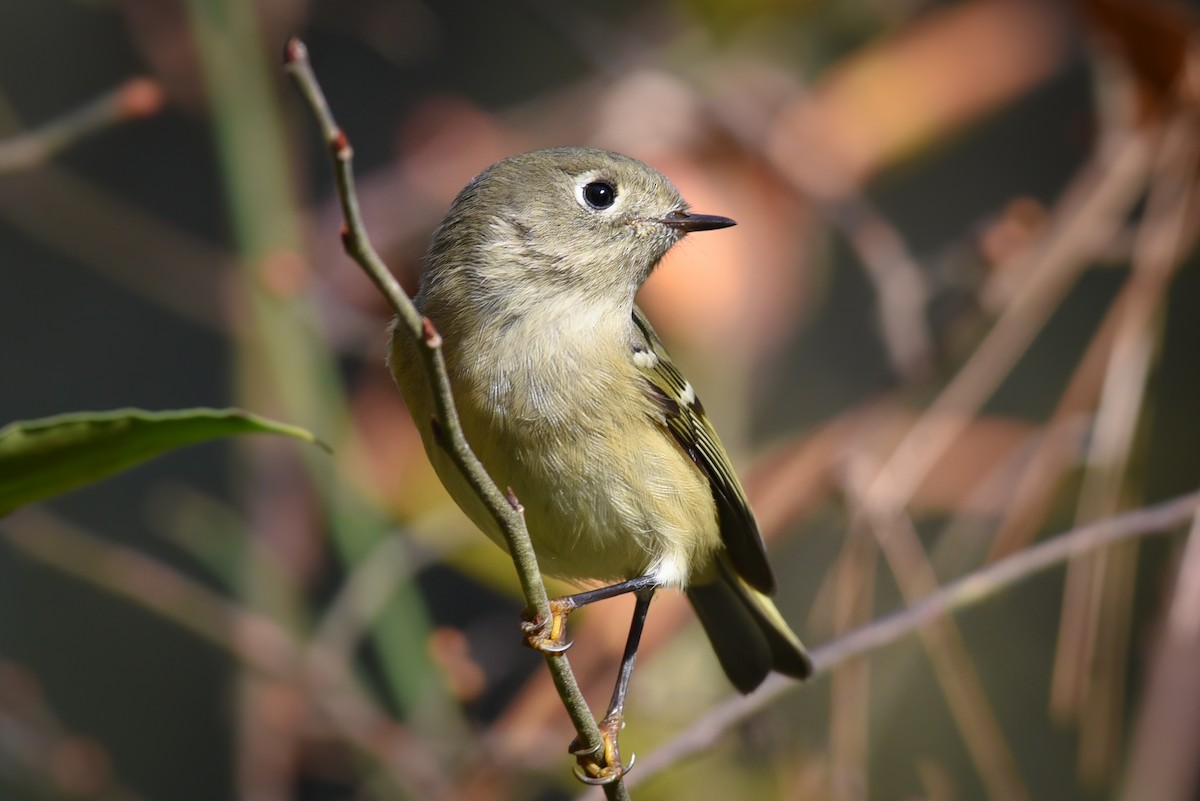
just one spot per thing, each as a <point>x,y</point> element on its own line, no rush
<point>600,194</point>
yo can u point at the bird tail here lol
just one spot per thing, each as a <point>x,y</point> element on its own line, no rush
<point>749,635</point>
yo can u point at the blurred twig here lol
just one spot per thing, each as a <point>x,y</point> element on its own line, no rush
<point>135,98</point>
<point>901,286</point>
<point>970,589</point>
<point>1061,442</point>
<point>98,228</point>
<point>69,214</point>
<point>1163,764</point>
<point>1058,446</point>
<point>850,690</point>
<point>1089,675</point>
<point>956,673</point>
<point>506,511</point>
<point>42,757</point>
<point>255,640</point>
<point>364,593</point>
<point>898,279</point>
<point>1059,263</point>
<point>282,362</point>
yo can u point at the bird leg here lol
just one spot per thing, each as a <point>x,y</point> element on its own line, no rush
<point>549,636</point>
<point>602,764</point>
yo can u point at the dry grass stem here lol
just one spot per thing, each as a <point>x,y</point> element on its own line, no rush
<point>900,284</point>
<point>973,588</point>
<point>952,664</point>
<point>256,641</point>
<point>507,511</point>
<point>1060,263</point>
<point>1089,673</point>
<point>850,687</point>
<point>135,98</point>
<point>1162,763</point>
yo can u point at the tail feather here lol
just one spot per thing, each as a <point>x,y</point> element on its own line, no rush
<point>747,632</point>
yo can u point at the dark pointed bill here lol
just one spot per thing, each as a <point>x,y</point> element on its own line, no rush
<point>687,222</point>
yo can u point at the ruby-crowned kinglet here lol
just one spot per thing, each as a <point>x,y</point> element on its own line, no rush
<point>568,397</point>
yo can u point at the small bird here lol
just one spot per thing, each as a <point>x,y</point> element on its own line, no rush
<point>567,396</point>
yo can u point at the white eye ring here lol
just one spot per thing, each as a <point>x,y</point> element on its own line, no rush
<point>597,194</point>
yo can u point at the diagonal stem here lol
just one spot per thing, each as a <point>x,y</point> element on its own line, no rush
<point>505,508</point>
<point>973,588</point>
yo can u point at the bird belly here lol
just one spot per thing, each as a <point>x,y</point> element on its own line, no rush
<point>608,494</point>
<point>595,512</point>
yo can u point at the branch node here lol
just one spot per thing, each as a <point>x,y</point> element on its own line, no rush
<point>444,423</point>
<point>339,143</point>
<point>433,340</point>
<point>295,52</point>
<point>513,500</point>
<point>139,97</point>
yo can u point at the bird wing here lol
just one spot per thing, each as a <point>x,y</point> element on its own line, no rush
<point>684,418</point>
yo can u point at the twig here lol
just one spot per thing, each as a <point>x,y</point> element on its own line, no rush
<point>135,98</point>
<point>898,279</point>
<point>41,756</point>
<point>1058,264</point>
<point>89,223</point>
<point>364,593</point>
<point>1061,444</point>
<point>850,690</point>
<point>943,642</point>
<point>900,283</point>
<point>505,509</point>
<point>1162,754</point>
<point>253,639</point>
<point>972,588</point>
<point>1089,674</point>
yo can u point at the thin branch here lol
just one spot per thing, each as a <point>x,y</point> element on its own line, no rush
<point>1162,754</point>
<point>1059,262</point>
<point>36,740</point>
<point>255,640</point>
<point>364,593</point>
<point>135,98</point>
<point>112,236</point>
<point>854,586</point>
<point>897,277</point>
<point>948,654</point>
<point>1089,671</point>
<point>505,509</point>
<point>900,283</point>
<point>970,589</point>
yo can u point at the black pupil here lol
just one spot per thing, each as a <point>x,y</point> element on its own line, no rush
<point>599,195</point>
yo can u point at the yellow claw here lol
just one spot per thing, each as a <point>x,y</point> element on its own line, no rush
<point>547,636</point>
<point>602,764</point>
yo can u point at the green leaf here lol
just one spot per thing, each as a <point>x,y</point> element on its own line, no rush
<point>41,458</point>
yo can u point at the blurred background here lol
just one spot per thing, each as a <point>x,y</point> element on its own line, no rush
<point>958,315</point>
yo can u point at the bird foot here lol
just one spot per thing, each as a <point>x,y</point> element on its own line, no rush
<point>602,764</point>
<point>548,636</point>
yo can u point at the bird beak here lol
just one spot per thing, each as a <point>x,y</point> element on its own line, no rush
<point>687,222</point>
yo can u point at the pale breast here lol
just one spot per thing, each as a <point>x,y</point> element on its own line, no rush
<point>608,494</point>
